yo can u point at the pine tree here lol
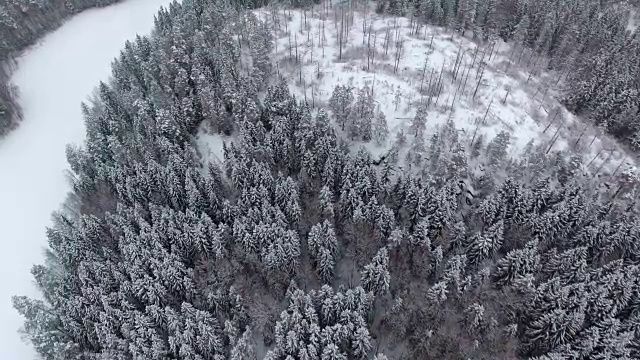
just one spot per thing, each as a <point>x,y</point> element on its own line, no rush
<point>375,276</point>
<point>419,122</point>
<point>497,149</point>
<point>517,263</point>
<point>361,116</point>
<point>341,103</point>
<point>466,14</point>
<point>323,247</point>
<point>361,344</point>
<point>417,151</point>
<point>244,349</point>
<point>448,13</point>
<point>380,128</point>
<point>326,202</point>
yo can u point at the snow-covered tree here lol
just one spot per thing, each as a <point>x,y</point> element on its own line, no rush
<point>362,115</point>
<point>380,128</point>
<point>341,103</point>
<point>375,276</point>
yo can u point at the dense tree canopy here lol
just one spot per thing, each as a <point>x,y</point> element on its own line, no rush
<point>296,247</point>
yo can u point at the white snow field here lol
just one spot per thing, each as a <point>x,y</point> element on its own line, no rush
<point>54,77</point>
<point>489,94</point>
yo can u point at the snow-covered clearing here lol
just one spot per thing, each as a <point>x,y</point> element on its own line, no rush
<point>488,92</point>
<point>53,77</point>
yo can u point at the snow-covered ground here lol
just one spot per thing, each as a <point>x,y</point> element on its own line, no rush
<point>53,77</point>
<point>515,96</point>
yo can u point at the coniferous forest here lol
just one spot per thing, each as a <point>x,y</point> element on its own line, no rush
<point>298,246</point>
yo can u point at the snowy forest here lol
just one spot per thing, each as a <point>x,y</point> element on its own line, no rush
<point>22,23</point>
<point>587,42</point>
<point>301,243</point>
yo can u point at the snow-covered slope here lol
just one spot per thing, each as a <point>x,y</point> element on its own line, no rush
<point>484,88</point>
<point>53,77</point>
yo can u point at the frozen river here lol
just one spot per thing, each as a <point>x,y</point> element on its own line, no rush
<point>53,78</point>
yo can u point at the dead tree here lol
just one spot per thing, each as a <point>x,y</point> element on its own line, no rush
<point>456,64</point>
<point>477,123</point>
<point>582,133</point>
<point>478,85</point>
<point>544,96</point>
<point>460,84</point>
<point>341,34</point>
<point>533,68</point>
<point>323,38</point>
<point>424,70</point>
<point>595,157</point>
<point>369,46</point>
<point>552,120</point>
<point>554,138</point>
<point>604,162</point>
<point>618,168</point>
<point>398,55</point>
<point>506,95</point>
<point>439,84</point>
<point>296,44</point>
<point>387,39</point>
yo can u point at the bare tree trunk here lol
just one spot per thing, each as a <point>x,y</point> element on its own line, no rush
<point>387,39</point>
<point>429,91</point>
<point>593,139</point>
<point>554,138</point>
<point>373,53</point>
<point>475,55</point>
<point>369,47</point>
<point>460,87</point>
<point>510,56</point>
<point>475,132</point>
<point>521,54</point>
<point>552,121</point>
<point>304,87</point>
<point>296,40</point>
<point>582,133</point>
<point>364,29</point>
<point>323,38</point>
<point>373,84</point>
<point>618,168</point>
<point>341,35</point>
<point>455,66</point>
<point>604,162</point>
<point>493,47</point>
<point>533,69</point>
<point>424,70</point>
<point>439,84</point>
<point>544,96</point>
<point>399,46</point>
<point>506,95</point>
<point>594,158</point>
<point>478,85</point>
<point>286,20</point>
<point>465,80</point>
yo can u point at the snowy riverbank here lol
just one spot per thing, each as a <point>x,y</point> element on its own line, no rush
<point>53,78</point>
